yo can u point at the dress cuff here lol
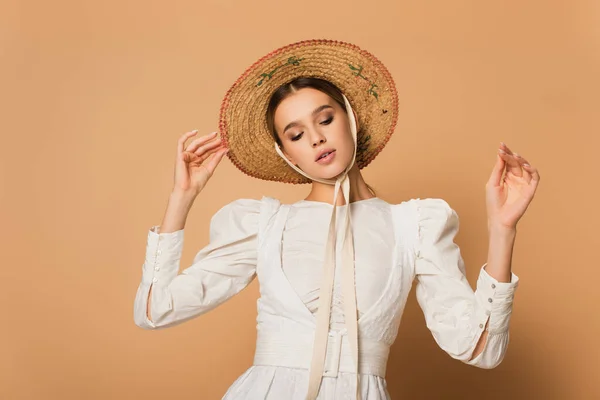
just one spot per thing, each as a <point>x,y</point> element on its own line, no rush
<point>514,280</point>
<point>496,298</point>
<point>163,252</point>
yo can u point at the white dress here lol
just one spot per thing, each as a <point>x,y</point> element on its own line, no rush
<point>283,245</point>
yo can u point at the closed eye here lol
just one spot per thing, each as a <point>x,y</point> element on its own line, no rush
<point>325,122</point>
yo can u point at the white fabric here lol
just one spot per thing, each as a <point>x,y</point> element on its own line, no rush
<point>282,245</point>
<point>303,255</point>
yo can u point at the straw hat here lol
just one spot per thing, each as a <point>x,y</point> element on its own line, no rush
<point>361,77</point>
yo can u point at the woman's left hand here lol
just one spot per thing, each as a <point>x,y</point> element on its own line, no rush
<point>508,196</point>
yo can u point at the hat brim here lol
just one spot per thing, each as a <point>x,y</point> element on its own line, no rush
<point>364,80</point>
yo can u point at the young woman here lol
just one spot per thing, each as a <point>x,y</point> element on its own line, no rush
<point>334,274</point>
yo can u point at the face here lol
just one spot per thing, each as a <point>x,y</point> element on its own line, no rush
<point>309,123</point>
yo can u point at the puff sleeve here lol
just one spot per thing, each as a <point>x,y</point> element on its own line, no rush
<point>455,314</point>
<point>219,270</point>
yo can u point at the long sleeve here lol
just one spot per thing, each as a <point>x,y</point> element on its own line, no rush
<point>455,314</point>
<point>219,270</point>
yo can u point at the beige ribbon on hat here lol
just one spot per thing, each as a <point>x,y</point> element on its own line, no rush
<point>348,285</point>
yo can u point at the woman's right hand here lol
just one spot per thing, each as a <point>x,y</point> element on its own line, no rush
<point>196,162</point>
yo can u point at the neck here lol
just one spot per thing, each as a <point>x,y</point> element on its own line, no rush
<point>358,189</point>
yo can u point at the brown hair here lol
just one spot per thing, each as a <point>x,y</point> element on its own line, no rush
<point>291,87</point>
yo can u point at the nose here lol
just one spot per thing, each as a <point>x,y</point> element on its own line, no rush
<point>316,137</point>
<point>317,142</point>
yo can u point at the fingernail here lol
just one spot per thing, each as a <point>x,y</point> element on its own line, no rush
<point>195,131</point>
<point>526,165</point>
<point>501,151</point>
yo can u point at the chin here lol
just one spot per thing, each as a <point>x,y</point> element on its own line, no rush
<point>329,171</point>
<point>334,176</point>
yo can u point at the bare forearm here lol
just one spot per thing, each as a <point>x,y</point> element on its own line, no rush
<point>178,208</point>
<point>500,250</point>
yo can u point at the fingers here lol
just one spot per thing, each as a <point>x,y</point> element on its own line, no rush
<point>199,149</point>
<point>513,165</point>
<point>203,154</point>
<point>182,139</point>
<point>202,140</point>
<point>496,177</point>
<point>518,165</point>
<point>188,157</point>
<point>215,160</point>
<point>522,162</point>
<point>533,172</point>
<point>206,147</point>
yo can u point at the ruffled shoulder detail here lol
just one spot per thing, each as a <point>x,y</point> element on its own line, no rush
<point>434,216</point>
<point>247,216</point>
<point>241,215</point>
<point>437,226</point>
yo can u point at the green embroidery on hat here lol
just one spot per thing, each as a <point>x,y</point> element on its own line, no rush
<point>358,73</point>
<point>293,60</point>
<point>372,91</point>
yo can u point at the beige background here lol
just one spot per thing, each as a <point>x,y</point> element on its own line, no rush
<point>95,94</point>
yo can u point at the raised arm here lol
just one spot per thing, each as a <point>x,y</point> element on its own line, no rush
<point>194,166</point>
<point>471,326</point>
<point>178,208</point>
<point>219,270</point>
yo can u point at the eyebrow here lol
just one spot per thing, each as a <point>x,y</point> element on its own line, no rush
<point>315,112</point>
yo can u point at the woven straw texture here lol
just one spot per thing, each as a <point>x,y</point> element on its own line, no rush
<point>364,80</point>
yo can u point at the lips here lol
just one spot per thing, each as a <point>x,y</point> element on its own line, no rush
<point>324,153</point>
